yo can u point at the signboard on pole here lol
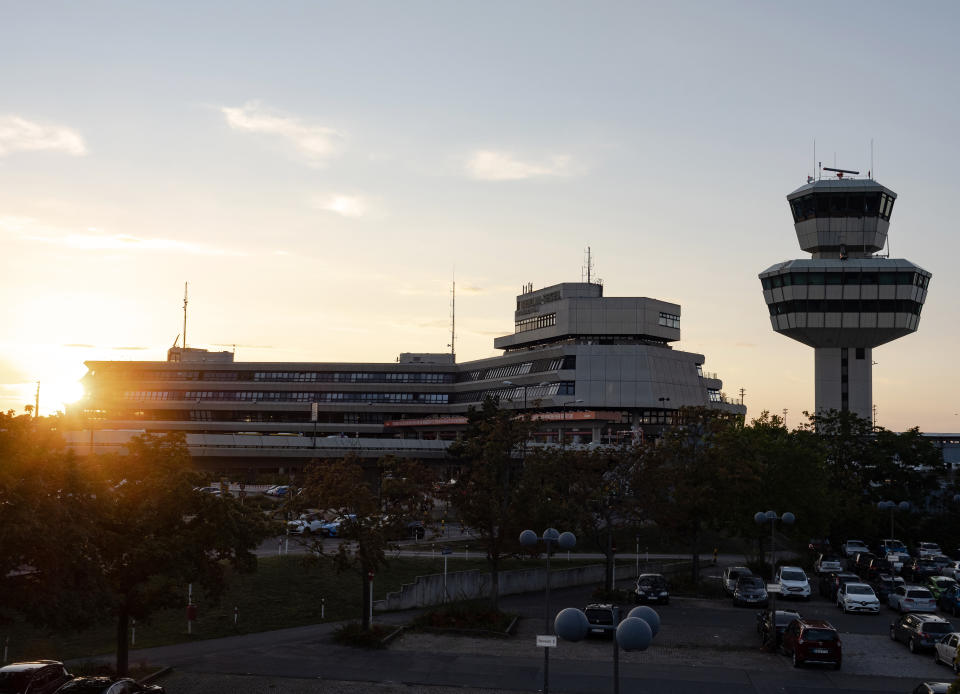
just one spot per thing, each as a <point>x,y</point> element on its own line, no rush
<point>314,411</point>
<point>546,641</point>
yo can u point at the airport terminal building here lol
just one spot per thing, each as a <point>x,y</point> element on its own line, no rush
<point>588,369</point>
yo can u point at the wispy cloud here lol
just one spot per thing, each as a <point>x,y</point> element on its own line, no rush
<point>343,205</point>
<point>80,345</point>
<point>20,134</point>
<point>130,349</point>
<point>317,142</point>
<point>489,165</point>
<point>94,239</point>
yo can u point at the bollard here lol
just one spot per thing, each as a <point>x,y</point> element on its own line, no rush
<point>133,632</point>
<point>323,608</point>
<point>236,614</point>
<point>466,552</point>
<point>6,648</point>
<point>280,547</point>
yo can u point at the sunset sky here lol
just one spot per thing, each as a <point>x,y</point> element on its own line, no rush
<point>319,172</point>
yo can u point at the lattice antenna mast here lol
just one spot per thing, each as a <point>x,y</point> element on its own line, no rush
<point>185,286</point>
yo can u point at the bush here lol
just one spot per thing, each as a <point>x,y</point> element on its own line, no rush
<point>352,634</point>
<point>467,616</point>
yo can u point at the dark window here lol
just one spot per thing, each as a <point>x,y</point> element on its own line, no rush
<point>887,278</point>
<point>815,278</point>
<point>800,278</point>
<point>838,205</point>
<point>855,204</point>
<point>872,204</point>
<point>822,205</point>
<point>834,277</point>
<point>776,281</point>
<point>860,353</point>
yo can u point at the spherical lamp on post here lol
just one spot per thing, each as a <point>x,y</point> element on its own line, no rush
<point>551,538</point>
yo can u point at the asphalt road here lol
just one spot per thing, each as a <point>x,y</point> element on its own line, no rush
<point>704,646</point>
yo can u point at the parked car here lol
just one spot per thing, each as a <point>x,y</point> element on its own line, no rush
<point>952,570</point>
<point>827,563</point>
<point>897,560</point>
<point>942,561</point>
<point>33,677</point>
<point>750,590</point>
<point>884,584</point>
<point>949,600</point>
<point>731,575</point>
<point>306,524</point>
<point>858,597</point>
<point>106,685</point>
<point>771,625</point>
<point>919,631</point>
<point>651,588</point>
<point>852,548</point>
<point>600,615</point>
<point>891,545</point>
<point>931,688</point>
<point>830,584</point>
<point>793,582</point>
<point>332,528</point>
<point>280,490</point>
<point>860,564</point>
<point>946,651</point>
<point>911,598</point>
<point>919,569</point>
<point>813,641</point>
<point>928,549</point>
<point>938,584</point>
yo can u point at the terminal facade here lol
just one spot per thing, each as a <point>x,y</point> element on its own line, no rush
<point>588,369</point>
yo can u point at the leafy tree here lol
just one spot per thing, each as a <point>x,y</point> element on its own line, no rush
<point>154,533</point>
<point>488,497</point>
<point>371,515</point>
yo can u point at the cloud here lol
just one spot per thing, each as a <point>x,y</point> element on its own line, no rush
<point>20,134</point>
<point>343,205</point>
<point>488,165</point>
<point>79,344</point>
<point>317,142</point>
<point>130,349</point>
<point>94,239</point>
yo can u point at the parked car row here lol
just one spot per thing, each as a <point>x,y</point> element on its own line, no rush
<point>51,677</point>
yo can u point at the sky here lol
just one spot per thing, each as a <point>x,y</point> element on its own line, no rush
<point>321,172</point>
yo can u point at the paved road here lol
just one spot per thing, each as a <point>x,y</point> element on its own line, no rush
<point>704,646</point>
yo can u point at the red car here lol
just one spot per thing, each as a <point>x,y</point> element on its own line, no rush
<point>812,641</point>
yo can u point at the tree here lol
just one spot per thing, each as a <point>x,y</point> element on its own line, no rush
<point>371,515</point>
<point>154,533</point>
<point>488,496</point>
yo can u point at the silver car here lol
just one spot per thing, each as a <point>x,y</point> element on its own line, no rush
<point>907,598</point>
<point>945,651</point>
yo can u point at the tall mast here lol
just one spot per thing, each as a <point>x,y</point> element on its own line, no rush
<point>185,285</point>
<point>453,319</point>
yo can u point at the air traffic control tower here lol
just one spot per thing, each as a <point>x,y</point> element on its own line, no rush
<point>844,300</point>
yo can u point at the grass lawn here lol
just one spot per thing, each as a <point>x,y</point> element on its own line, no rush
<point>284,592</point>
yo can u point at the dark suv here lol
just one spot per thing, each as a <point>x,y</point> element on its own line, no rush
<point>830,584</point>
<point>812,641</point>
<point>771,627</point>
<point>600,615</point>
<point>651,588</point>
<point>36,677</point>
<point>919,630</point>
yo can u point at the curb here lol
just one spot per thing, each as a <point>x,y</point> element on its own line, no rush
<point>392,635</point>
<point>156,675</point>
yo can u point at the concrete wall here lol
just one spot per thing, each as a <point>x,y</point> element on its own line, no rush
<point>471,585</point>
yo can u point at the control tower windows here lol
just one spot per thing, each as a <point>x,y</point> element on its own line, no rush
<point>669,320</point>
<point>544,321</point>
<point>847,278</point>
<point>846,204</point>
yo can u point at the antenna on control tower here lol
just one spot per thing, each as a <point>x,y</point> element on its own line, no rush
<point>453,319</point>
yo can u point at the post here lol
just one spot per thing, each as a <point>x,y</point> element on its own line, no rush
<point>616,652</point>
<point>444,577</point>
<point>189,605</point>
<point>6,648</point>
<point>133,632</point>
<point>546,625</point>
<point>236,615</point>
<point>371,598</point>
<point>466,552</point>
<point>891,522</point>
<point>638,556</point>
<point>323,609</point>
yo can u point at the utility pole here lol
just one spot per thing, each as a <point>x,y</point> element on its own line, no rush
<point>36,406</point>
<point>185,285</point>
<point>742,391</point>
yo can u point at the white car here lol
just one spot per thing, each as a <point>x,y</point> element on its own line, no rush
<point>928,549</point>
<point>793,582</point>
<point>907,598</point>
<point>858,597</point>
<point>825,564</point>
<point>945,651</point>
<point>306,524</point>
<point>852,548</point>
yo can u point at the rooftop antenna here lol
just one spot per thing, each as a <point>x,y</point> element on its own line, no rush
<point>176,340</point>
<point>871,158</point>
<point>587,269</point>
<point>453,319</point>
<point>185,285</point>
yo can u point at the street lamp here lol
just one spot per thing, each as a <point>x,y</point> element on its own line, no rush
<point>893,506</point>
<point>663,405</point>
<point>635,633</point>
<point>761,517</point>
<point>563,417</point>
<point>552,538</point>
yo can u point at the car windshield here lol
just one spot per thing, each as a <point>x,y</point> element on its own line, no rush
<point>793,576</point>
<point>784,618</point>
<point>922,594</point>
<point>820,635</point>
<point>651,583</point>
<point>750,582</point>
<point>13,682</point>
<point>860,590</point>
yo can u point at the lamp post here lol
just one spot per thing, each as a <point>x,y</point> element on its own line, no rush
<point>663,405</point>
<point>635,633</point>
<point>761,517</point>
<point>563,418</point>
<point>551,538</point>
<point>893,506</point>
